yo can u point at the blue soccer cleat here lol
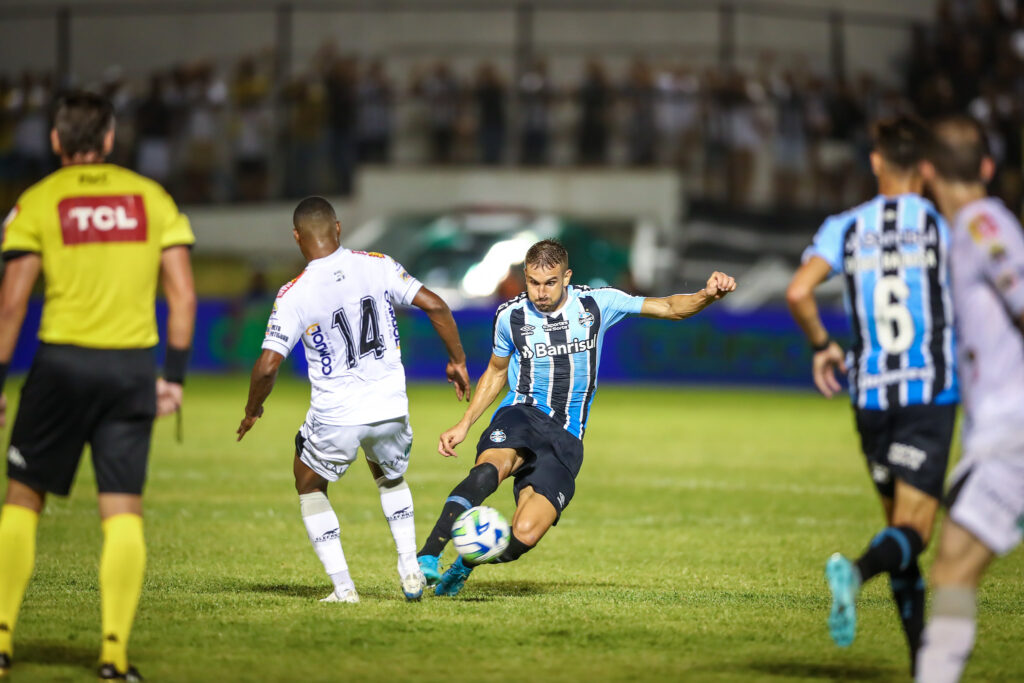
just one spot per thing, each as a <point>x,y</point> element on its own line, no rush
<point>454,579</point>
<point>428,565</point>
<point>844,582</point>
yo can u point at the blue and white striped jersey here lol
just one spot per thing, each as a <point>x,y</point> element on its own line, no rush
<point>555,357</point>
<point>893,253</point>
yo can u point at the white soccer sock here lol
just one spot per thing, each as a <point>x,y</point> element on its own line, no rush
<point>396,502</point>
<point>948,638</point>
<point>324,533</point>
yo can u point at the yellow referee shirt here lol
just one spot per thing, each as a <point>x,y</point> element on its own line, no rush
<point>100,230</point>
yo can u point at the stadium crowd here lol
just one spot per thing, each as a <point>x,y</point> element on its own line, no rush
<point>213,134</point>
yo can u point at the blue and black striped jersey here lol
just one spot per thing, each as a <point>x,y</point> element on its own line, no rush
<point>555,357</point>
<point>893,253</point>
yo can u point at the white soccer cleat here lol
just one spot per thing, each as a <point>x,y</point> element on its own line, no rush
<point>413,585</point>
<point>346,595</point>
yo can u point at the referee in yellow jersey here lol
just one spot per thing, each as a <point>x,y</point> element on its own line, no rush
<point>102,236</point>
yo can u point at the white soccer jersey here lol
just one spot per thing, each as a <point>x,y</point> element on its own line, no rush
<point>988,296</point>
<point>341,306</point>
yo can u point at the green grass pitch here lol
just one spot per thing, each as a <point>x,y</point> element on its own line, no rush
<point>693,550</point>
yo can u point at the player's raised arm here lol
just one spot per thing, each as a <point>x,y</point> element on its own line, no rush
<point>487,388</point>
<point>828,355</point>
<point>441,318</point>
<point>19,276</point>
<point>679,306</point>
<point>261,383</point>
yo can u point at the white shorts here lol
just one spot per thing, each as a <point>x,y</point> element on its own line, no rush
<point>988,501</point>
<point>328,450</point>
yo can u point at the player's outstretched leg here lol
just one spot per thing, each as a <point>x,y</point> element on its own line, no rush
<point>323,530</point>
<point>17,557</point>
<point>396,502</point>
<point>481,482</point>
<point>534,516</point>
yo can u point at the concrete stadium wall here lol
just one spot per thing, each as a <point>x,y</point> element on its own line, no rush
<point>141,37</point>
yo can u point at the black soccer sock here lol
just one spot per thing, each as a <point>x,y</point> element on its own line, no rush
<point>892,550</point>
<point>481,482</point>
<point>514,551</point>
<point>908,592</point>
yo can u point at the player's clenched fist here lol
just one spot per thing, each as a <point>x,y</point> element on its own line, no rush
<point>719,284</point>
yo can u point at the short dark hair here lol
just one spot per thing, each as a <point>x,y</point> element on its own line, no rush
<point>82,120</point>
<point>958,146</point>
<point>313,214</point>
<point>901,140</point>
<point>547,254</point>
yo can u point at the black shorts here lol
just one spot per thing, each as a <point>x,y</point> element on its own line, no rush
<point>553,457</point>
<point>74,396</point>
<point>910,443</point>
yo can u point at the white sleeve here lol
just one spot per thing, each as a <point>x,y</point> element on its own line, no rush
<point>284,329</point>
<point>400,283</point>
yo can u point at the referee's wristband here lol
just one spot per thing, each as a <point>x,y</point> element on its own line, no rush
<point>3,374</point>
<point>822,346</point>
<point>176,364</point>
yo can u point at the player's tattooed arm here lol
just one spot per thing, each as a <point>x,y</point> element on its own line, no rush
<point>487,389</point>
<point>261,383</point>
<point>680,306</point>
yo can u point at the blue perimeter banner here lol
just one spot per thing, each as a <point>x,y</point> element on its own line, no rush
<point>716,346</point>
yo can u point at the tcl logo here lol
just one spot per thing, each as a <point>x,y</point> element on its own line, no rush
<point>102,219</point>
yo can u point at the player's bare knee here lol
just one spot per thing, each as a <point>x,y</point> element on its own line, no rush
<point>921,523</point>
<point>309,482</point>
<point>528,530</point>
<point>917,514</point>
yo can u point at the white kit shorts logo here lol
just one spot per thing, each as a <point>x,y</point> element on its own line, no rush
<point>497,436</point>
<point>15,457</point>
<point>907,456</point>
<point>561,500</point>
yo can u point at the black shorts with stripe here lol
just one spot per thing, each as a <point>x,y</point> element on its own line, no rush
<point>75,396</point>
<point>553,457</point>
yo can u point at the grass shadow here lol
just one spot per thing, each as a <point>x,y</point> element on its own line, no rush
<point>830,671</point>
<point>294,590</point>
<point>476,591</point>
<point>481,591</point>
<point>56,652</point>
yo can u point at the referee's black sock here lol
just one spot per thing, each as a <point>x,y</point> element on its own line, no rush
<point>514,551</point>
<point>894,549</point>
<point>481,482</point>
<point>908,592</point>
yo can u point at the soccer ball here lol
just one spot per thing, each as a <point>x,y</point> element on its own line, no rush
<point>480,534</point>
